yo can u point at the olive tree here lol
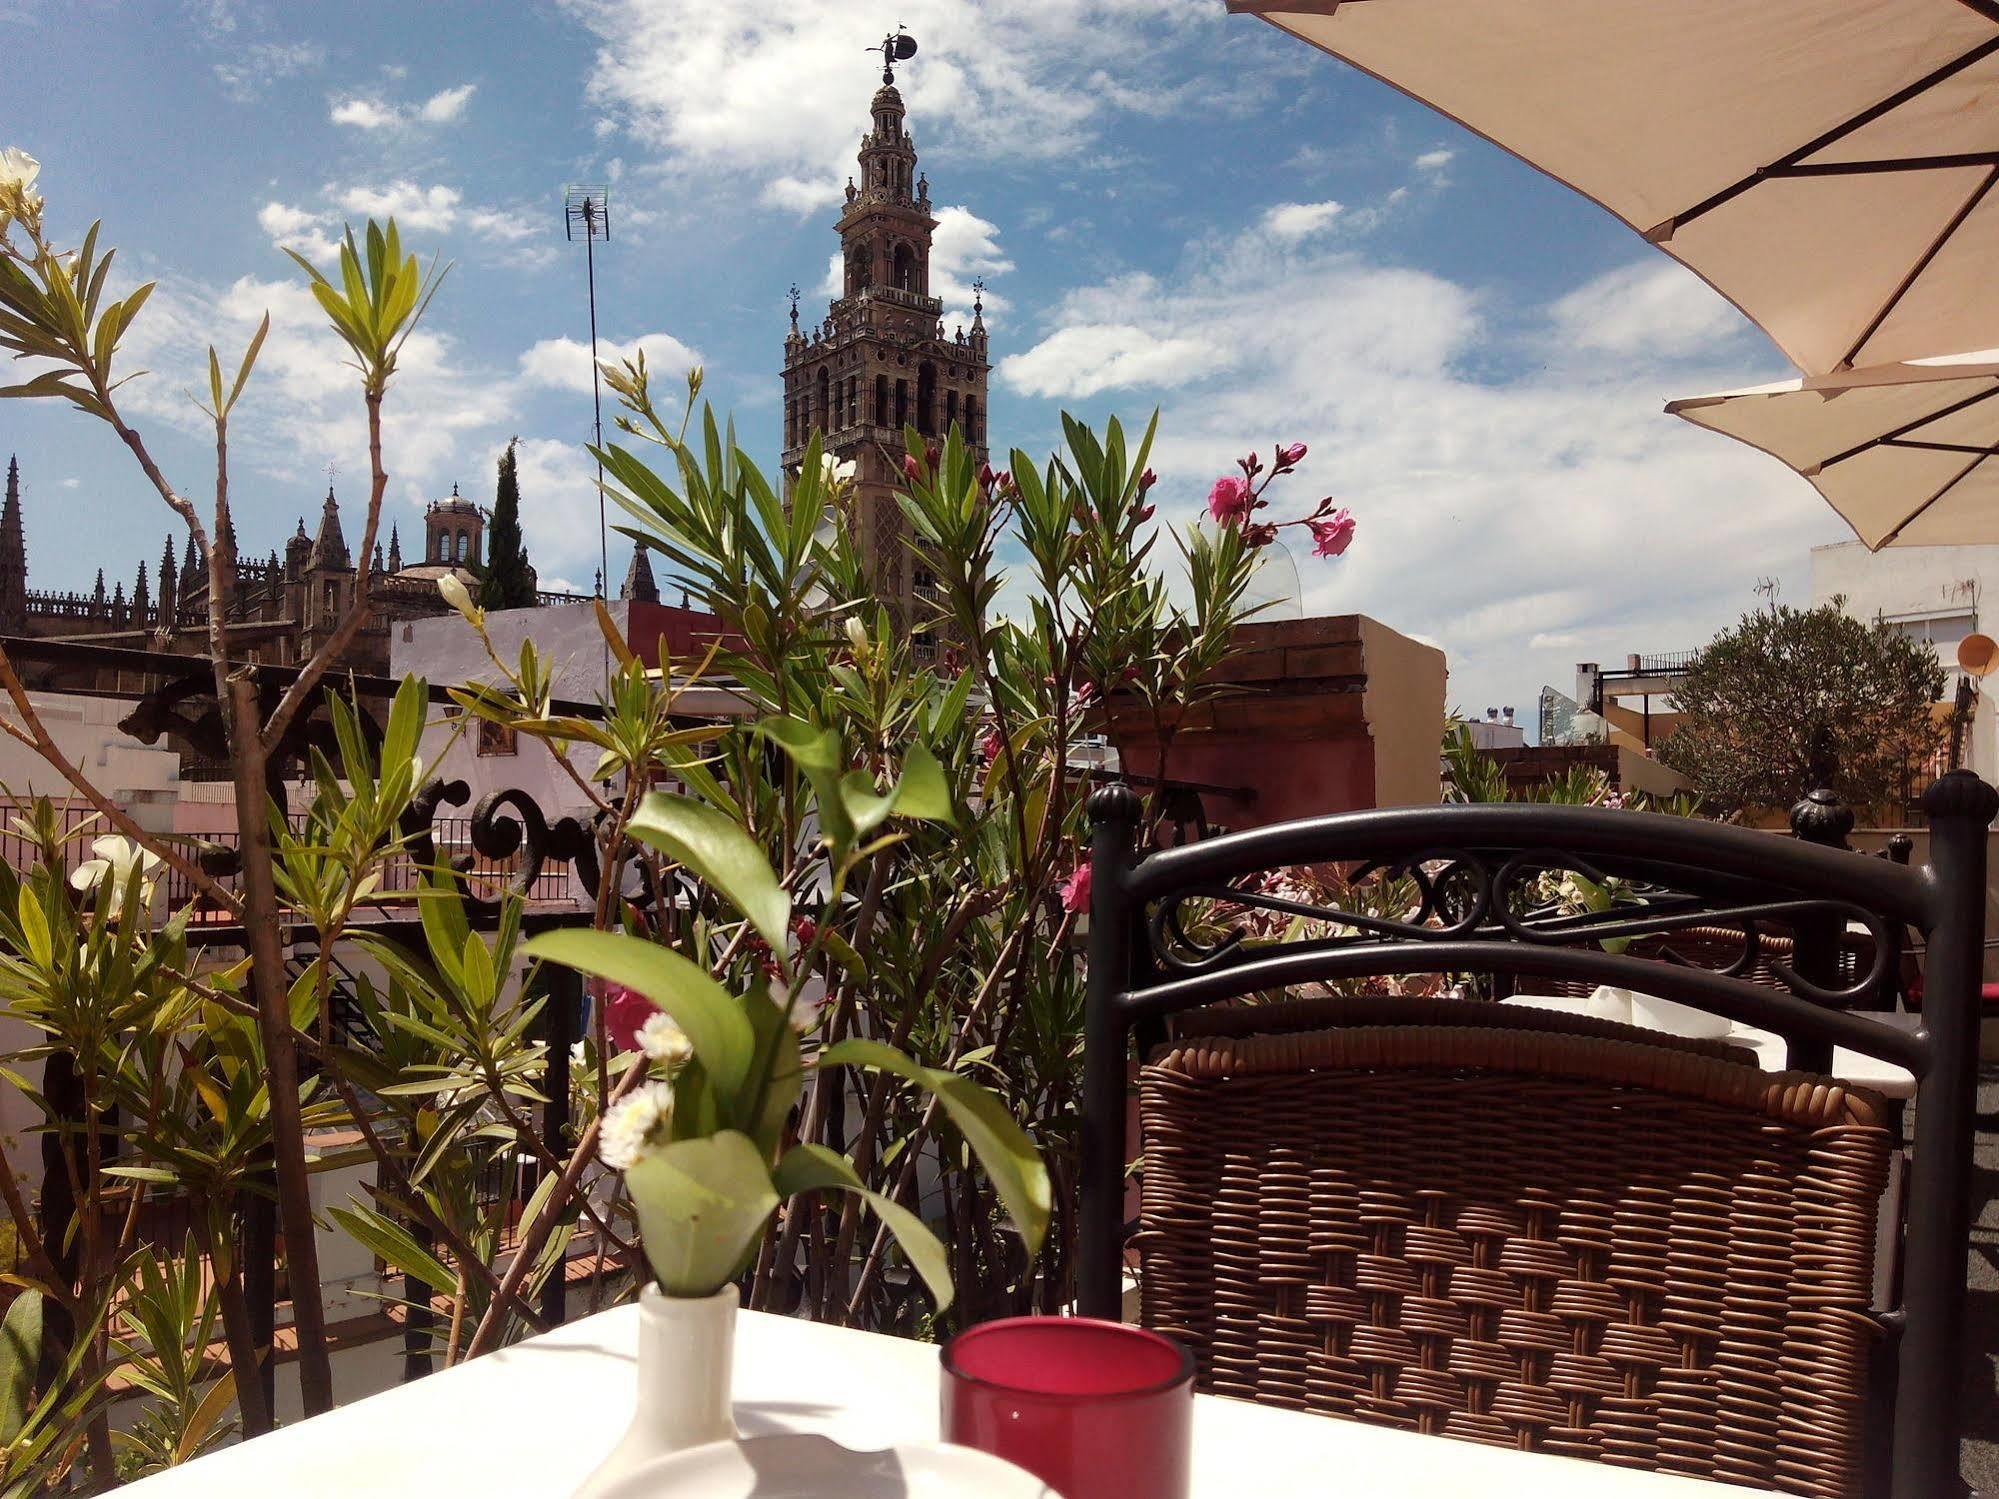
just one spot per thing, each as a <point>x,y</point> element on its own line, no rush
<point>1793,699</point>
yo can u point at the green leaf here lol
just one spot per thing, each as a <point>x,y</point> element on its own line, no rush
<point>1000,1144</point>
<point>712,1018</point>
<point>702,1206</point>
<point>922,791</point>
<point>20,1353</point>
<point>816,753</point>
<point>715,847</point>
<point>809,1168</point>
<point>393,1243</point>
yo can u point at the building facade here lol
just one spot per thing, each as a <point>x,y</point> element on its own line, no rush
<point>287,602</point>
<point>881,359</point>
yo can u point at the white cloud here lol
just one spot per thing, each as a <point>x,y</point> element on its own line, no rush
<point>1091,357</point>
<point>1521,512</point>
<point>766,86</point>
<point>559,510</point>
<point>965,247</point>
<point>1296,221</point>
<point>1651,306</point>
<point>364,114</point>
<point>564,363</point>
<point>425,209</point>
<point>72,483</point>
<point>446,104</point>
<point>1434,161</point>
<point>253,69</point>
<point>372,112</point>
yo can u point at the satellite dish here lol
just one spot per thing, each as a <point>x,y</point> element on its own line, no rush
<point>1978,655</point>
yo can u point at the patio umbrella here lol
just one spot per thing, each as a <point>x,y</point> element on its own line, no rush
<point>1904,452</point>
<point>1826,165</point>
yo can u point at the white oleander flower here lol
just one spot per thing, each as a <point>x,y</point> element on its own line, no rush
<point>662,1040</point>
<point>113,859</point>
<point>459,598</point>
<point>632,1123</point>
<point>18,169</point>
<point>837,472</point>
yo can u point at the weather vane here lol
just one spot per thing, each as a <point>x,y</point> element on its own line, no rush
<point>978,294</point>
<point>794,306</point>
<point>897,46</point>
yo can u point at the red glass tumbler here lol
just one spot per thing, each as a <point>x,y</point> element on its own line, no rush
<point>1096,1410</point>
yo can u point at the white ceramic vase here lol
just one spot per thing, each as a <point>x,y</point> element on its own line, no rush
<point>686,1356</point>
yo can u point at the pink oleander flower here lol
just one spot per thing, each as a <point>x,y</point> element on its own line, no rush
<point>986,476</point>
<point>1333,535</point>
<point>990,744</point>
<point>625,1013</point>
<point>1086,693</point>
<point>930,456</point>
<point>1145,512</point>
<point>1290,455</point>
<point>804,930</point>
<point>1259,535</point>
<point>910,470</point>
<point>1076,891</point>
<point>1146,480</point>
<point>1228,501</point>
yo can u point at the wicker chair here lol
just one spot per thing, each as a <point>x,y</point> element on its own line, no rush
<point>1529,1229</point>
<point>1538,1240</point>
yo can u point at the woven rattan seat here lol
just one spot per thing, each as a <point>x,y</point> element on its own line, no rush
<point>1540,1237</point>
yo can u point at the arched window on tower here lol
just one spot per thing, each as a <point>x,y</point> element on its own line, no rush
<point>973,432</point>
<point>464,545</point>
<point>926,399</point>
<point>853,400</point>
<point>825,410</point>
<point>901,403</point>
<point>860,268</point>
<point>441,552</point>
<point>904,268</point>
<point>950,410</point>
<point>881,400</point>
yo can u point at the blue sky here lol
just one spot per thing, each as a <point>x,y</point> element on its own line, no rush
<point>1171,207</point>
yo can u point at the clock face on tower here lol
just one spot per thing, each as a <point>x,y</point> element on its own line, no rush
<point>882,360</point>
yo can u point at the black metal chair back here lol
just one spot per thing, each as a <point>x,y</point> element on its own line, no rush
<point>1479,875</point>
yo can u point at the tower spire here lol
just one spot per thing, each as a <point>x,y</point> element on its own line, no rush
<point>13,555</point>
<point>395,549</point>
<point>329,547</point>
<point>641,587</point>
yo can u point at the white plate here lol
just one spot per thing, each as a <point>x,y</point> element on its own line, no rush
<point>802,1466</point>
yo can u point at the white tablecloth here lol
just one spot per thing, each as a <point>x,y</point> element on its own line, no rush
<point>1884,1078</point>
<point>534,1420</point>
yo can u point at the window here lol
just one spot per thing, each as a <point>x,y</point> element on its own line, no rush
<point>330,602</point>
<point>497,739</point>
<point>926,399</point>
<point>904,268</point>
<point>881,400</point>
<point>950,409</point>
<point>824,413</point>
<point>973,433</point>
<point>464,545</point>
<point>902,403</point>
<point>441,549</point>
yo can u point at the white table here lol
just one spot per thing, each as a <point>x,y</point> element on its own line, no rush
<point>534,1419</point>
<point>1884,1078</point>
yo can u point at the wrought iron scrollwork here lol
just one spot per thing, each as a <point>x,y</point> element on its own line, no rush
<point>1532,896</point>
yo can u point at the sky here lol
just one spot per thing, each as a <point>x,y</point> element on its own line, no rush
<point>1172,208</point>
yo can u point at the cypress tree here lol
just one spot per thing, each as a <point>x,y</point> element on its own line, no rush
<point>508,583</point>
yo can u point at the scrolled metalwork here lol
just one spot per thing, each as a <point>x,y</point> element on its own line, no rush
<point>1531,895</point>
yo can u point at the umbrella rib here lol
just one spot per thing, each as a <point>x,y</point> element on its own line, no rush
<point>1942,447</point>
<point>1665,230</point>
<point>1885,164</point>
<point>1907,427</point>
<point>1922,264</point>
<point>1958,478</point>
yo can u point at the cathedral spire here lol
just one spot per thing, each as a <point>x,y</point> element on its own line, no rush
<point>329,547</point>
<point>142,596</point>
<point>169,583</point>
<point>13,556</point>
<point>395,549</point>
<point>640,585</point>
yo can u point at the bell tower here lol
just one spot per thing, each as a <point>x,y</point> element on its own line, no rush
<point>881,359</point>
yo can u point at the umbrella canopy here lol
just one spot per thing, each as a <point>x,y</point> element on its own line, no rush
<point>1826,165</point>
<point>1905,452</point>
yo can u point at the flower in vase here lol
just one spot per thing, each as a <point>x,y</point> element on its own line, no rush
<point>633,1124</point>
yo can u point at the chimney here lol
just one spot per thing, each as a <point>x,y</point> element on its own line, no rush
<point>1508,719</point>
